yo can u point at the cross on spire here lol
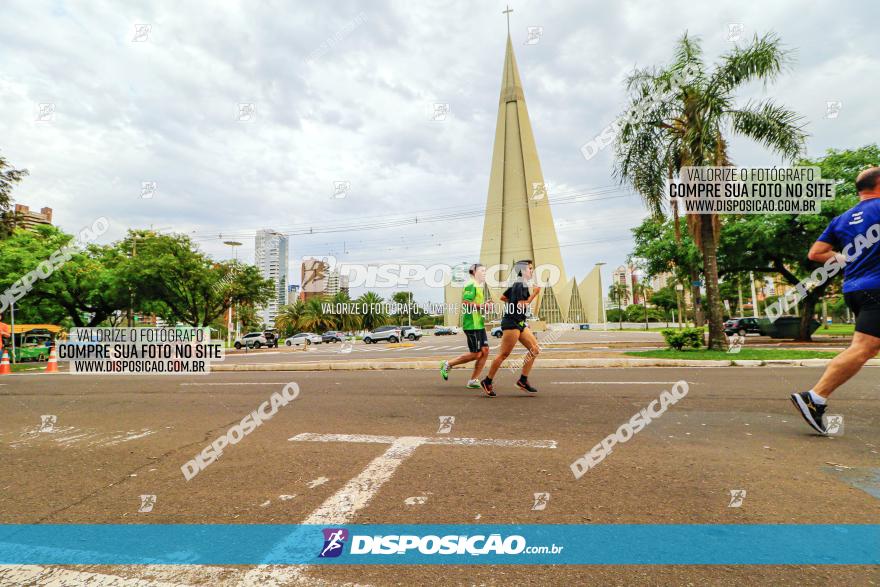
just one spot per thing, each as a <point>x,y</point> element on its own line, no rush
<point>507,12</point>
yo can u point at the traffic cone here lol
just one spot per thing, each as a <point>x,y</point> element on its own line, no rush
<point>5,369</point>
<point>52,365</point>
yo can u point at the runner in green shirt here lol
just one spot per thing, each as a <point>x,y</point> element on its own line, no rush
<point>472,307</point>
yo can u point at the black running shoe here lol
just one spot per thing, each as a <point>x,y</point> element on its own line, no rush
<point>487,387</point>
<point>524,385</point>
<point>811,411</point>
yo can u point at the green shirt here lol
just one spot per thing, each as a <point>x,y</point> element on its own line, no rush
<point>472,319</point>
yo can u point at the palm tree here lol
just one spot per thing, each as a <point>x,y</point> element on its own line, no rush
<point>372,314</point>
<point>643,290</point>
<point>344,320</point>
<point>619,294</point>
<point>289,318</point>
<point>688,130</point>
<point>314,317</point>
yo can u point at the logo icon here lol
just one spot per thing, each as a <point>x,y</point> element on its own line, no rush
<point>346,347</point>
<point>439,111</point>
<point>534,35</point>
<point>736,343</point>
<point>48,423</point>
<point>148,189</point>
<point>45,112</point>
<point>142,33</point>
<point>736,498</point>
<point>834,425</point>
<point>541,501</point>
<point>247,111</point>
<point>539,190</point>
<point>735,31</point>
<point>340,189</point>
<point>446,423</point>
<point>832,108</point>
<point>147,503</point>
<point>334,542</point>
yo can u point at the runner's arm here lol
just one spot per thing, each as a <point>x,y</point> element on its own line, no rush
<point>822,251</point>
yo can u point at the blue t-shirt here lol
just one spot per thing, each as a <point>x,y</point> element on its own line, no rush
<point>846,234</point>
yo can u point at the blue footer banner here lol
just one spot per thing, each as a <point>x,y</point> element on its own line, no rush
<point>426,544</point>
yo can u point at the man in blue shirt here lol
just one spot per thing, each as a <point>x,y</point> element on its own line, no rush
<point>850,242</point>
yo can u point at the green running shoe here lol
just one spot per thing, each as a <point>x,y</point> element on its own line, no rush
<point>444,370</point>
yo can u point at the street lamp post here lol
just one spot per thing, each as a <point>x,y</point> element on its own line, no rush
<point>232,245</point>
<point>602,296</point>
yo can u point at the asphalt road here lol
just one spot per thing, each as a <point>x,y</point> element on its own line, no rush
<point>117,438</point>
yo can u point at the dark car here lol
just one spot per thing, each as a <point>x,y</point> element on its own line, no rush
<point>445,330</point>
<point>332,336</point>
<point>741,326</point>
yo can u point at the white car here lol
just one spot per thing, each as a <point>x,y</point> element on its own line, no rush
<point>303,338</point>
<point>252,340</point>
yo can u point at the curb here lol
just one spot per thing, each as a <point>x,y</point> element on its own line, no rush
<point>542,363</point>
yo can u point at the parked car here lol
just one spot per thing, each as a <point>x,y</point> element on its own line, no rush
<point>389,333</point>
<point>411,332</point>
<point>271,338</point>
<point>332,336</point>
<point>303,338</point>
<point>252,340</point>
<point>741,326</point>
<point>444,330</point>
<point>496,332</point>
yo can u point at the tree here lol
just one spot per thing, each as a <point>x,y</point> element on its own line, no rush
<point>345,320</point>
<point>688,130</point>
<point>778,243</point>
<point>619,294</point>
<point>372,314</point>
<point>289,318</point>
<point>85,284</point>
<point>665,299</point>
<point>314,318</point>
<point>9,176</point>
<point>643,290</point>
<point>170,277</point>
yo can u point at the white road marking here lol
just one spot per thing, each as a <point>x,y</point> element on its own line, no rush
<point>616,382</point>
<point>237,384</point>
<point>341,507</point>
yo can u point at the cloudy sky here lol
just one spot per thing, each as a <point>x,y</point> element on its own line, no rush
<point>343,92</point>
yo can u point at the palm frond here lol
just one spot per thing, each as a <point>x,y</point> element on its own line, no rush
<point>764,59</point>
<point>773,125</point>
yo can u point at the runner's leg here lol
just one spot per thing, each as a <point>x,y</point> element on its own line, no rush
<point>508,342</point>
<point>848,363</point>
<point>481,362</point>
<point>528,340</point>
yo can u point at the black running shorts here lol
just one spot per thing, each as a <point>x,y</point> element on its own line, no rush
<point>476,339</point>
<point>865,304</point>
<point>508,323</point>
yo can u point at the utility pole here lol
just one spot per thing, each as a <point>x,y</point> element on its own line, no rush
<point>754,295</point>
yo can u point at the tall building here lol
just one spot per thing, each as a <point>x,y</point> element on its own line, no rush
<point>626,275</point>
<point>271,256</point>
<point>292,293</point>
<point>336,283</point>
<point>27,219</point>
<point>519,221</point>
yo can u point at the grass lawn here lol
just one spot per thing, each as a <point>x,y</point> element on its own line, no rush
<point>745,354</point>
<point>835,329</point>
